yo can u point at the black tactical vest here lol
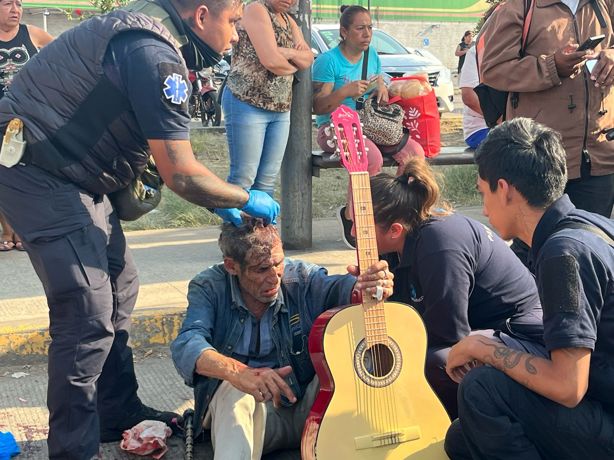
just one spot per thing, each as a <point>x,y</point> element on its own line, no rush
<point>78,125</point>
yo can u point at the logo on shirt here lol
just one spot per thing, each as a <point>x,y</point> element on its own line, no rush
<point>413,295</point>
<point>175,89</point>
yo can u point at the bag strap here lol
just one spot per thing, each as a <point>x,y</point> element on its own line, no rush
<point>365,64</point>
<point>360,102</point>
<point>599,13</point>
<point>529,7</point>
<point>587,227</point>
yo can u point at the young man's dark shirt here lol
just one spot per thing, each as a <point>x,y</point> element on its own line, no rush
<point>575,277</point>
<point>461,277</point>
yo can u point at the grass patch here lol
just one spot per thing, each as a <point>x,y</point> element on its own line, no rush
<point>458,185</point>
<point>329,190</point>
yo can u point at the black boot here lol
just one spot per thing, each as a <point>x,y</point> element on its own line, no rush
<point>114,433</point>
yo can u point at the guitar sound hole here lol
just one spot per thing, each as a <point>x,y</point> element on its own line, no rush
<point>379,365</point>
<point>378,360</point>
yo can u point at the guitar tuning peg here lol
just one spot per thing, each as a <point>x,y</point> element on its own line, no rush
<point>364,137</point>
<point>334,137</point>
<point>337,150</point>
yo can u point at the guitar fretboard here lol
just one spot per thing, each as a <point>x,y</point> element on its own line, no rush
<point>366,243</point>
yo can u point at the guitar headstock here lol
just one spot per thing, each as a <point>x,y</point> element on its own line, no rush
<point>350,142</point>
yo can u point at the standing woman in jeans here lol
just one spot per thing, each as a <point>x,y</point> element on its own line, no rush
<point>258,94</point>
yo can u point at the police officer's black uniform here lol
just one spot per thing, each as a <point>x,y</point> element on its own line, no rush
<point>89,101</point>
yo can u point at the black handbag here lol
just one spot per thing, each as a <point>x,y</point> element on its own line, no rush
<point>141,196</point>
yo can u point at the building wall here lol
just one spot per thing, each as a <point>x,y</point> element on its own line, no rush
<point>443,37</point>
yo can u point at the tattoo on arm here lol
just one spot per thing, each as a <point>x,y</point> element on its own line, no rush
<point>504,358</point>
<point>209,192</point>
<point>173,152</point>
<point>317,88</point>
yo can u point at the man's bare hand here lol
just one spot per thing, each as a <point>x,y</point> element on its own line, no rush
<point>569,61</point>
<point>377,275</point>
<point>264,384</point>
<point>462,357</point>
<point>603,72</point>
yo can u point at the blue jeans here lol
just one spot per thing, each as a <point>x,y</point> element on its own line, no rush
<point>257,141</point>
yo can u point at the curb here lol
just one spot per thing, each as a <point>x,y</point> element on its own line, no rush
<point>28,343</point>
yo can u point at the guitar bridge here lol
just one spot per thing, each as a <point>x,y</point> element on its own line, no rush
<point>370,441</point>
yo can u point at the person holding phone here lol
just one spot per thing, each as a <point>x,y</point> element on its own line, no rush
<point>337,79</point>
<point>556,87</point>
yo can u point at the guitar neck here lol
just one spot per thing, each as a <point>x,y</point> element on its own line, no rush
<point>366,247</point>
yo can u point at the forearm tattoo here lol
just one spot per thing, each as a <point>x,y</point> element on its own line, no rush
<point>173,152</point>
<point>209,192</point>
<point>504,358</point>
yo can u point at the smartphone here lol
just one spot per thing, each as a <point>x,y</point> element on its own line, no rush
<point>591,43</point>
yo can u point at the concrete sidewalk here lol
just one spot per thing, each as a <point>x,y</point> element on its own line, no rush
<point>167,260</point>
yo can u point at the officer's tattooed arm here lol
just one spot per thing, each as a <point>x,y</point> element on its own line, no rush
<point>190,179</point>
<point>563,378</point>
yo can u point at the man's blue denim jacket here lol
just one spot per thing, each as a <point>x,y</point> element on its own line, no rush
<point>215,318</point>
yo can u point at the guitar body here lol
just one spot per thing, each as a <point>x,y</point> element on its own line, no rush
<point>374,400</point>
<point>393,414</point>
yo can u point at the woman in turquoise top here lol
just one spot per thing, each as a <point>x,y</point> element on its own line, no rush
<point>337,79</point>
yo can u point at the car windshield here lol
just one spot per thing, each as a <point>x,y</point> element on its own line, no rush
<point>381,41</point>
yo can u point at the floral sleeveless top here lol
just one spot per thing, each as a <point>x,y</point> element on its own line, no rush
<point>250,81</point>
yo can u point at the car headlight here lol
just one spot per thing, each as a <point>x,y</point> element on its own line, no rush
<point>445,76</point>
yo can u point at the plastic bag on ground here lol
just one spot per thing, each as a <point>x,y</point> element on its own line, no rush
<point>147,438</point>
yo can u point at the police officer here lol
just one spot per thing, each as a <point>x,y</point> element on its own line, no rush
<point>524,406</point>
<point>95,104</point>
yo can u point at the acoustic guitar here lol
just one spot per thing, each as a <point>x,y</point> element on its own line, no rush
<point>374,400</point>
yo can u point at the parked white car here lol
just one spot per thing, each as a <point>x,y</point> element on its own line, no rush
<point>397,60</point>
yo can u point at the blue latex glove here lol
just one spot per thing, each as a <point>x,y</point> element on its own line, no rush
<point>260,204</point>
<point>8,446</point>
<point>232,215</point>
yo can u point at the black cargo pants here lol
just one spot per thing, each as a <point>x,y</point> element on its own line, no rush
<point>78,249</point>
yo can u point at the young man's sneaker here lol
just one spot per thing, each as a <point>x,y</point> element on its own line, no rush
<point>114,433</point>
<point>346,225</point>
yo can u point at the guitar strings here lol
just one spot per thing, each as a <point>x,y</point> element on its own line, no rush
<point>382,399</point>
